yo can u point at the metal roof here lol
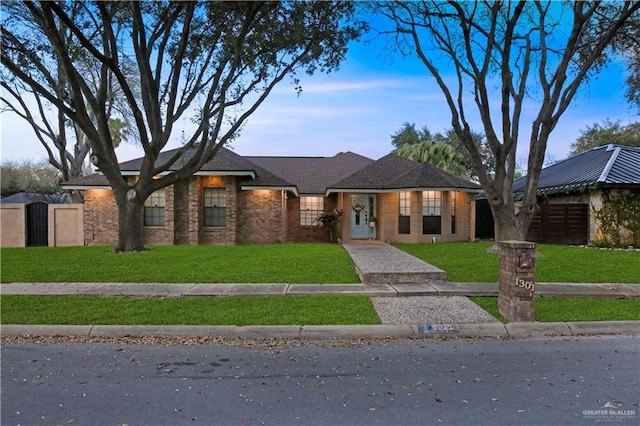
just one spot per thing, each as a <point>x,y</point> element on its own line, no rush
<point>625,167</point>
<point>601,166</point>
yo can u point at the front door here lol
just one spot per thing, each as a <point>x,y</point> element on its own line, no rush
<point>363,207</point>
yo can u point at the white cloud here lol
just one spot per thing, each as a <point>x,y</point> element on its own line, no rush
<point>350,86</point>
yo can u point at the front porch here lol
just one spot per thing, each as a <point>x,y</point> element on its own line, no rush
<point>407,216</point>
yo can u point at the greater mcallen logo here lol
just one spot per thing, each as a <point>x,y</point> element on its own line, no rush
<point>610,412</point>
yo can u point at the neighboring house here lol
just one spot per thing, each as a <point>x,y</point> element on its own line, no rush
<point>237,199</point>
<point>570,189</point>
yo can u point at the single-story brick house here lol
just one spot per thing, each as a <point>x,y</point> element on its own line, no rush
<point>236,199</point>
<point>568,192</point>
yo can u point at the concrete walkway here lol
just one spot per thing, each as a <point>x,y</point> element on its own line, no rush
<point>380,263</point>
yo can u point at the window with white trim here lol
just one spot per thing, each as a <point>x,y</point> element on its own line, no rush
<point>310,209</point>
<point>453,196</point>
<point>154,209</point>
<point>404,217</point>
<point>215,207</point>
<point>431,212</point>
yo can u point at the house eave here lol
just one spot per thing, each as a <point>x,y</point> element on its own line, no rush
<point>84,187</point>
<point>389,190</point>
<point>134,173</point>
<point>249,173</point>
<point>293,189</point>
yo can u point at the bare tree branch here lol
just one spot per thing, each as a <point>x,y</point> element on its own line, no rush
<point>522,48</point>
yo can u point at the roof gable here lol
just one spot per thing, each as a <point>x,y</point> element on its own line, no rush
<point>393,172</point>
<point>625,167</point>
<point>224,160</point>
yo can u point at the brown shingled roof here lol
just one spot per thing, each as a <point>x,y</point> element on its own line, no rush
<point>313,175</point>
<point>392,172</point>
<point>91,181</point>
<point>343,172</point>
<point>224,160</point>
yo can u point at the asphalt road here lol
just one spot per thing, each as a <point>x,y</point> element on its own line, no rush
<point>560,381</point>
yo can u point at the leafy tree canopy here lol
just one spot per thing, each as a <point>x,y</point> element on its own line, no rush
<point>26,176</point>
<point>607,132</point>
<point>213,62</point>
<point>443,150</point>
<point>627,44</point>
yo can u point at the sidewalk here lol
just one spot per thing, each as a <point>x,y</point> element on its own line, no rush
<point>384,270</point>
<point>608,291</point>
<point>326,333</point>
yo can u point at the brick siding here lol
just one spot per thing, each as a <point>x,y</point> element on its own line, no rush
<point>299,233</point>
<point>100,217</point>
<point>257,216</point>
<point>213,235</point>
<point>260,218</point>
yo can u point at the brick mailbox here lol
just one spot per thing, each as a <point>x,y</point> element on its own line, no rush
<point>517,280</point>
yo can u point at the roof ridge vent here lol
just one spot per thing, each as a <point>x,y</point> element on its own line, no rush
<point>610,163</point>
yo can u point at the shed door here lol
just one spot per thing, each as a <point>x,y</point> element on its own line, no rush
<point>560,224</point>
<point>37,224</point>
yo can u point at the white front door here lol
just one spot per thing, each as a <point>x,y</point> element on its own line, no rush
<point>363,207</point>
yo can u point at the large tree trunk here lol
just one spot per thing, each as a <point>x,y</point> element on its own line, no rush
<point>507,227</point>
<point>130,222</point>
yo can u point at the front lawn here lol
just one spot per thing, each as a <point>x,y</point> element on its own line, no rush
<point>275,310</point>
<point>268,263</point>
<point>561,309</point>
<point>470,262</point>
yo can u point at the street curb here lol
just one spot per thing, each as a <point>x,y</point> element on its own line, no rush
<point>328,332</point>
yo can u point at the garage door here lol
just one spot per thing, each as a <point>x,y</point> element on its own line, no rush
<point>560,224</point>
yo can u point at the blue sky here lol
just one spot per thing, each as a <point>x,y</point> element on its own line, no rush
<point>358,108</point>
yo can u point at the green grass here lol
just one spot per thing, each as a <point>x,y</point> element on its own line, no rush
<point>273,310</point>
<point>295,263</point>
<point>560,309</point>
<point>284,263</point>
<point>470,262</point>
<point>269,263</point>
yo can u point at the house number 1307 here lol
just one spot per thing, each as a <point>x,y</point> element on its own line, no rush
<point>527,285</point>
